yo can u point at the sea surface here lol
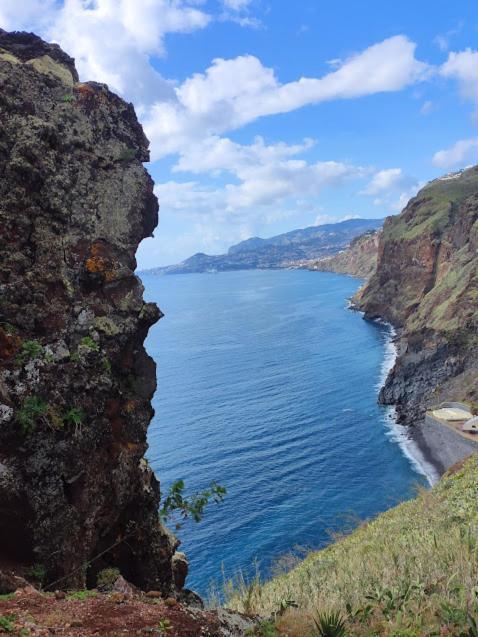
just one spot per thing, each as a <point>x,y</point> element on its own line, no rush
<point>268,383</point>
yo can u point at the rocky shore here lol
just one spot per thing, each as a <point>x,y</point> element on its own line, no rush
<point>425,285</point>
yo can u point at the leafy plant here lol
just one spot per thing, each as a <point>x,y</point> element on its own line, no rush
<point>31,410</point>
<point>192,506</point>
<point>74,416</point>
<point>68,98</point>
<point>29,350</point>
<point>164,625</point>
<point>6,623</point>
<point>330,625</point>
<point>88,343</point>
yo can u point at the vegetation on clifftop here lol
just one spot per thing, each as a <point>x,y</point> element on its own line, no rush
<point>410,572</point>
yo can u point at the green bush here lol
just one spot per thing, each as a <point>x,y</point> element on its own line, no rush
<point>330,625</point>
<point>6,623</point>
<point>88,343</point>
<point>29,351</point>
<point>74,416</point>
<point>31,410</point>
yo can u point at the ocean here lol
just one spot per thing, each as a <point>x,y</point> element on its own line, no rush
<point>268,384</point>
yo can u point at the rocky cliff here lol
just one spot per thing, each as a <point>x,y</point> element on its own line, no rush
<point>426,284</point>
<point>359,259</point>
<point>76,493</point>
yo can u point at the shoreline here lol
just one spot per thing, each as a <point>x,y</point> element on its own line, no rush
<point>413,446</point>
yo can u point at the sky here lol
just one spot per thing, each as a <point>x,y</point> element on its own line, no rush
<point>270,115</point>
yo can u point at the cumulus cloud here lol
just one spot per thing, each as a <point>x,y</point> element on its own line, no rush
<point>386,180</point>
<point>463,66</point>
<point>460,154</point>
<point>264,175</point>
<point>391,189</point>
<point>209,103</point>
<point>112,41</point>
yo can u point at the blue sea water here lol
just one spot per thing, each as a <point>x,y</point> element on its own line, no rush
<point>268,383</point>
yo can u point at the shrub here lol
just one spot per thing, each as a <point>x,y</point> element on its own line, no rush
<point>88,343</point>
<point>74,416</point>
<point>31,410</point>
<point>330,625</point>
<point>106,578</point>
<point>68,98</point>
<point>192,506</point>
<point>29,351</point>
<point>6,623</point>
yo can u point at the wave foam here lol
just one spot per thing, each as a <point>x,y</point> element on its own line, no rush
<point>396,432</point>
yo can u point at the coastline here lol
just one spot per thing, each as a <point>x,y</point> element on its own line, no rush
<point>414,447</point>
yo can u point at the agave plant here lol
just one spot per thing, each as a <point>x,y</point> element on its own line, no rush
<point>330,625</point>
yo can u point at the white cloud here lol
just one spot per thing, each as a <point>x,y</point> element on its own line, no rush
<point>463,66</point>
<point>22,14</point>
<point>386,180</point>
<point>209,103</point>
<point>267,174</point>
<point>112,41</point>
<point>391,189</point>
<point>461,153</point>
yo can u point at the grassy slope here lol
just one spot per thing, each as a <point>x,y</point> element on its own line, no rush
<point>412,571</point>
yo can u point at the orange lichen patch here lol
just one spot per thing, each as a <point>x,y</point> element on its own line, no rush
<point>89,96</point>
<point>9,345</point>
<point>99,262</point>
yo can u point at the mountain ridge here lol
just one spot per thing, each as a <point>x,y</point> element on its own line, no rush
<point>279,251</point>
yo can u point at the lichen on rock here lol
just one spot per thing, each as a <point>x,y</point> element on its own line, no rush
<point>73,208</point>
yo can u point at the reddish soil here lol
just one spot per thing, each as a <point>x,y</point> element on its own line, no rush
<point>31,613</point>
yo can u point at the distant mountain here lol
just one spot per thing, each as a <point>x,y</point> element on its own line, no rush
<point>283,250</point>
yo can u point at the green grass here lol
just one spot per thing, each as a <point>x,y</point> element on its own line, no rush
<point>80,596</point>
<point>411,571</point>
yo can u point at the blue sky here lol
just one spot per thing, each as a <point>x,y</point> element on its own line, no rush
<point>241,145</point>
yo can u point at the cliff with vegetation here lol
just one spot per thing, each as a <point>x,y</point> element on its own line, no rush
<point>426,285</point>
<point>76,493</point>
<point>358,259</point>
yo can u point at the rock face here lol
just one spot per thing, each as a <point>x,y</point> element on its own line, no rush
<point>75,380</point>
<point>426,284</point>
<point>359,259</point>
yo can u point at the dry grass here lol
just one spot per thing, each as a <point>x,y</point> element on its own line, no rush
<point>412,571</point>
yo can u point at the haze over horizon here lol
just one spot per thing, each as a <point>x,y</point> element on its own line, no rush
<point>265,117</point>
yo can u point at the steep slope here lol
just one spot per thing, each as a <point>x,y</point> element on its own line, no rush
<point>359,259</point>
<point>75,380</point>
<point>410,572</point>
<point>426,284</point>
<point>280,251</point>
